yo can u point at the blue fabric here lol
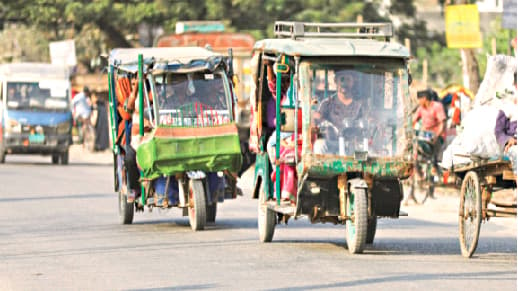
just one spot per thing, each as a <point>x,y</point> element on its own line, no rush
<point>172,193</point>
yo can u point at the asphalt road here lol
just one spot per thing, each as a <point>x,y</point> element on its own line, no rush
<point>59,231</point>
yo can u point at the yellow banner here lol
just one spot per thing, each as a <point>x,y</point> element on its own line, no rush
<point>462,26</point>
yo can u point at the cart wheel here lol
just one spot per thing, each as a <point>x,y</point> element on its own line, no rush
<point>211,212</point>
<point>197,205</point>
<point>265,218</point>
<point>356,227</point>
<point>372,224</point>
<point>64,157</point>
<point>420,188</point>
<point>470,214</point>
<point>55,159</point>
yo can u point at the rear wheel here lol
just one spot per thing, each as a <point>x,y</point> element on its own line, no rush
<point>470,214</point>
<point>197,205</point>
<point>356,225</point>
<point>2,154</point>
<point>265,218</point>
<point>211,212</point>
<point>421,186</point>
<point>126,210</point>
<point>63,157</point>
<point>55,159</point>
<point>372,224</point>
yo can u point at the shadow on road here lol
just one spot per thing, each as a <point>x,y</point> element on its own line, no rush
<point>478,276</point>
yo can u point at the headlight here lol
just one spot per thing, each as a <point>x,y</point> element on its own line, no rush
<point>64,127</point>
<point>13,126</point>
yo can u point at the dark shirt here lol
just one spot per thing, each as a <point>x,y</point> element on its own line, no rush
<point>504,129</point>
<point>336,112</point>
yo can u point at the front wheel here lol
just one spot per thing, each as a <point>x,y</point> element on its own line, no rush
<point>470,214</point>
<point>371,229</point>
<point>197,205</point>
<point>356,225</point>
<point>126,210</point>
<point>63,157</point>
<point>55,159</point>
<point>265,218</point>
<point>421,185</point>
<point>211,212</point>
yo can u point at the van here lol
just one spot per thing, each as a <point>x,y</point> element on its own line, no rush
<point>35,110</point>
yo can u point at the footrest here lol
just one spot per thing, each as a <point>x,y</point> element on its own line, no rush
<point>285,207</point>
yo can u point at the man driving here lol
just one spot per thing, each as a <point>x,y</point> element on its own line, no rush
<point>336,109</point>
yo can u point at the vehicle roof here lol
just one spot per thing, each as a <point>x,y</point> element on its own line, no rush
<point>329,47</point>
<point>127,58</point>
<point>34,71</point>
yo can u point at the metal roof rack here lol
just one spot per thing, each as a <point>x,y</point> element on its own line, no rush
<point>293,29</point>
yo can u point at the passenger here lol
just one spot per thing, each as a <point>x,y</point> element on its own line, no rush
<point>505,131</point>
<point>337,108</point>
<point>271,106</point>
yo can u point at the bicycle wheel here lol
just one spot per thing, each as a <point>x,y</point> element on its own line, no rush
<point>419,188</point>
<point>470,214</point>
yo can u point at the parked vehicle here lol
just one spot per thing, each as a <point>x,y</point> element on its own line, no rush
<point>35,110</point>
<point>184,142</point>
<point>344,168</point>
<point>480,179</point>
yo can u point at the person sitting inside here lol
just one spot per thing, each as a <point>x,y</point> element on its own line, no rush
<point>336,109</point>
<point>505,131</point>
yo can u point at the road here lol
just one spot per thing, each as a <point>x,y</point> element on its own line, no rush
<point>59,231</point>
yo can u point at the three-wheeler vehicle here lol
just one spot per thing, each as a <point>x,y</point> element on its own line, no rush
<point>35,111</point>
<point>344,125</point>
<point>480,179</point>
<point>182,150</point>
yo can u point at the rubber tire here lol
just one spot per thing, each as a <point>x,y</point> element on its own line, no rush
<point>197,205</point>
<point>372,224</point>
<point>415,187</point>
<point>266,218</point>
<point>126,210</point>
<point>55,159</point>
<point>2,155</point>
<point>356,232</point>
<point>63,157</point>
<point>468,245</point>
<point>211,212</point>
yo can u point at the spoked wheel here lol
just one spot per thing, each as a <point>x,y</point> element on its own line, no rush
<point>356,226</point>
<point>470,214</point>
<point>265,218</point>
<point>126,210</point>
<point>197,205</point>
<point>372,224</point>
<point>421,187</point>
<point>211,212</point>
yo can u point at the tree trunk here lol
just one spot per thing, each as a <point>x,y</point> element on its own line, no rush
<point>115,37</point>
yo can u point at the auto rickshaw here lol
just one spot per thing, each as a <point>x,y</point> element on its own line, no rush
<point>182,149</point>
<point>356,177</point>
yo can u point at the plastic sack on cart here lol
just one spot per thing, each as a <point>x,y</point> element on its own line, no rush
<point>498,77</point>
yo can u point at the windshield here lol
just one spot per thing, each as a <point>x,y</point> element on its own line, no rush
<point>194,99</point>
<point>43,95</point>
<point>359,108</point>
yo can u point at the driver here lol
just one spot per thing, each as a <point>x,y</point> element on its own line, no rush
<point>337,108</point>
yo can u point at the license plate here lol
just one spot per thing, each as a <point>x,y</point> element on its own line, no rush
<point>36,138</point>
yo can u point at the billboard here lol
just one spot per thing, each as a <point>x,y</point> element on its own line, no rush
<point>462,26</point>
